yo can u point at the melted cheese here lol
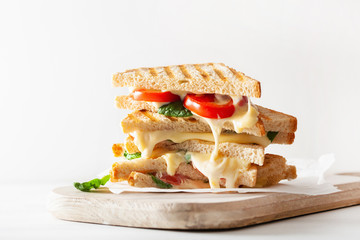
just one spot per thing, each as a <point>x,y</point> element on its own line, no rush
<point>222,167</point>
<point>211,165</point>
<point>181,94</point>
<point>215,167</point>
<point>245,116</point>
<point>173,161</point>
<point>157,105</point>
<point>146,141</point>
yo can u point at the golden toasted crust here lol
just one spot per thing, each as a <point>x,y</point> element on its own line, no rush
<point>196,78</point>
<point>274,170</point>
<point>141,180</point>
<point>118,149</point>
<point>284,138</point>
<point>277,121</point>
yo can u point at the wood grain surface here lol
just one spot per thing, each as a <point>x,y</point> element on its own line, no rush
<point>192,211</point>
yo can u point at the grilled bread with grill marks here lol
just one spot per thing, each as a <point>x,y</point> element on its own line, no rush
<point>197,78</point>
<point>269,120</point>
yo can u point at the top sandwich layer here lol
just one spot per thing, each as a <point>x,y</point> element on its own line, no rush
<point>197,78</point>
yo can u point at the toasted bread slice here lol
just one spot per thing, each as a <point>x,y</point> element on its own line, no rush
<point>196,78</point>
<point>269,120</point>
<point>137,173</point>
<point>121,170</point>
<point>249,152</point>
<point>274,170</point>
<point>277,121</point>
<point>150,121</point>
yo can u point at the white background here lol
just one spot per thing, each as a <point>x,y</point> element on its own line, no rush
<point>58,120</point>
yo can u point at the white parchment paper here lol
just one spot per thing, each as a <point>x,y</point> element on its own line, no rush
<point>312,180</point>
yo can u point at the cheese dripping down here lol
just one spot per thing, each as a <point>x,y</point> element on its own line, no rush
<point>229,168</point>
<point>245,116</point>
<point>173,160</point>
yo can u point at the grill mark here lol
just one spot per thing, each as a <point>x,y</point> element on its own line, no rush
<point>169,72</point>
<point>185,71</point>
<point>149,116</point>
<point>263,116</point>
<point>153,72</point>
<point>138,73</point>
<point>219,73</point>
<point>172,119</point>
<point>192,120</point>
<point>204,74</point>
<point>237,75</point>
<point>131,117</point>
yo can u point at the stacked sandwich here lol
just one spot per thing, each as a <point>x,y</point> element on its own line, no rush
<point>194,126</point>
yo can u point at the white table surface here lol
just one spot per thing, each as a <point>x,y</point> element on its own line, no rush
<point>23,215</point>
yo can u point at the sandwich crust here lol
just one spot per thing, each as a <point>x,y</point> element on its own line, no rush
<point>196,78</point>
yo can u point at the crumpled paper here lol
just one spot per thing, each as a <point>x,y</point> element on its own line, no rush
<point>312,180</point>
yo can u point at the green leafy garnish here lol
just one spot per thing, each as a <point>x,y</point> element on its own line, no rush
<point>95,183</point>
<point>271,135</point>
<point>131,156</point>
<point>160,184</point>
<point>175,109</point>
<point>187,158</point>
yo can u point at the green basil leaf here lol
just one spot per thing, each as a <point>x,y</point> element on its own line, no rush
<point>131,156</point>
<point>95,183</point>
<point>187,158</point>
<point>271,135</point>
<point>160,184</point>
<point>175,109</point>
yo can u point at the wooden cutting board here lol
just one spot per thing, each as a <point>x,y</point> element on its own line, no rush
<point>192,210</point>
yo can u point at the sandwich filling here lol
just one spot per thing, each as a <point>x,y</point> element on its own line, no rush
<point>223,167</point>
<point>146,141</point>
<point>214,109</point>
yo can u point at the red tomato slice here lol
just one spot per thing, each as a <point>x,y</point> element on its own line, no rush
<point>205,105</point>
<point>177,179</point>
<point>243,101</point>
<point>154,96</point>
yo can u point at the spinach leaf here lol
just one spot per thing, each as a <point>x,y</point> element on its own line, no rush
<point>271,135</point>
<point>160,184</point>
<point>187,158</point>
<point>131,156</point>
<point>95,183</point>
<point>175,109</point>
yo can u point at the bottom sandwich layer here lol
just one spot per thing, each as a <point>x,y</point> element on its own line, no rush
<point>162,173</point>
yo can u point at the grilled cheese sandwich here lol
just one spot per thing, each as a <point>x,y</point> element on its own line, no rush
<point>181,112</point>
